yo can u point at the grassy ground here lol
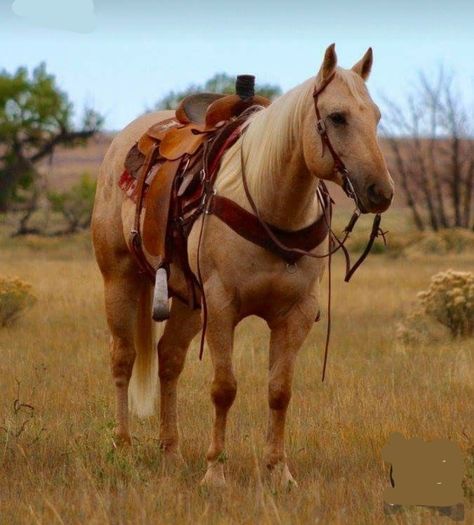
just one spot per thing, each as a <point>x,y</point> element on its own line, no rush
<point>57,461</point>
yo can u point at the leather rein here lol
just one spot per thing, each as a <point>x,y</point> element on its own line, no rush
<point>335,244</point>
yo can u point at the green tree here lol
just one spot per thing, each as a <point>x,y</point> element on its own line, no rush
<point>219,83</point>
<point>75,204</point>
<point>35,118</point>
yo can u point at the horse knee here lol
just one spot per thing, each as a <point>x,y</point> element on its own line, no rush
<point>122,359</point>
<point>278,396</point>
<point>223,392</point>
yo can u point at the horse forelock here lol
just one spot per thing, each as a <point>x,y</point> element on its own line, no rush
<point>354,83</point>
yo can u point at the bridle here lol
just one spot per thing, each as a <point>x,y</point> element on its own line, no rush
<point>321,129</point>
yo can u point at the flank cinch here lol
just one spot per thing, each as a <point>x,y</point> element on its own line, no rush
<point>170,173</point>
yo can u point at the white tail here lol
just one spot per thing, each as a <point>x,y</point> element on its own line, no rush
<point>142,389</point>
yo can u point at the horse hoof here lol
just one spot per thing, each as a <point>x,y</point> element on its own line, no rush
<point>281,478</point>
<point>214,476</point>
<point>288,482</point>
<point>122,440</point>
<point>173,462</point>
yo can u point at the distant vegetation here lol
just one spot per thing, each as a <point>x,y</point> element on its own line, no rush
<point>75,204</point>
<point>219,83</point>
<point>432,148</point>
<point>35,118</point>
<point>15,297</point>
<point>428,141</point>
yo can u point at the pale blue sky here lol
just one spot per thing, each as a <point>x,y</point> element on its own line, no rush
<point>140,49</point>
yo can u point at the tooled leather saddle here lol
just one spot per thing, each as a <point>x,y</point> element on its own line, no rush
<point>170,174</point>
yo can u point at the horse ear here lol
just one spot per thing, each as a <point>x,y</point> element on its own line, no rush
<point>329,63</point>
<point>364,66</point>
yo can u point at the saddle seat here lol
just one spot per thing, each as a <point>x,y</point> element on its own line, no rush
<point>193,108</point>
<point>211,109</point>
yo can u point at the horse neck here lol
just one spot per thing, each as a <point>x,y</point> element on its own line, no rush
<point>279,182</point>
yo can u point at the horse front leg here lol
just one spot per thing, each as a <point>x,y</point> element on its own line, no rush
<point>287,336</point>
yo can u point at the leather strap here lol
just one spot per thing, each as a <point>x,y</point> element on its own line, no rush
<point>248,226</point>
<point>135,237</point>
<point>157,210</point>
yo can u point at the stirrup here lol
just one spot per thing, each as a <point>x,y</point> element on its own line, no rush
<point>161,310</point>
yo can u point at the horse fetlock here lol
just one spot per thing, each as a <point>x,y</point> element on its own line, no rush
<point>169,444</point>
<point>172,460</point>
<point>273,457</point>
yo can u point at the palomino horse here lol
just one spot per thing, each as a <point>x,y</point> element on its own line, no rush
<point>284,159</point>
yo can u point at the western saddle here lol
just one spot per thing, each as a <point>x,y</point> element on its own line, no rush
<point>170,174</point>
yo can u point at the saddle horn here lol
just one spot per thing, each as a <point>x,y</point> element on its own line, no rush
<point>245,86</point>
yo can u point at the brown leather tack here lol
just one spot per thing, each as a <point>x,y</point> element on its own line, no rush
<point>248,226</point>
<point>157,210</point>
<point>180,141</point>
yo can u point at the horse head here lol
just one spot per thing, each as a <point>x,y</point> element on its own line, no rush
<point>340,135</point>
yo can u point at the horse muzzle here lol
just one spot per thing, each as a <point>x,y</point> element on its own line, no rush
<point>379,198</point>
<point>374,198</point>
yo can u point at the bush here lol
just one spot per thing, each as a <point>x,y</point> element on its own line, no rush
<point>450,301</point>
<point>15,297</point>
<point>75,204</point>
<point>416,328</point>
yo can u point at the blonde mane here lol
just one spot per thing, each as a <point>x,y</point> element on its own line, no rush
<point>272,133</point>
<point>275,130</point>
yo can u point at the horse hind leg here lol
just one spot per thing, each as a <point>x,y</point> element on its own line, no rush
<point>127,300</point>
<point>183,324</point>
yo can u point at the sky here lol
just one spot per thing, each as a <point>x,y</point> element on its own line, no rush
<point>121,56</point>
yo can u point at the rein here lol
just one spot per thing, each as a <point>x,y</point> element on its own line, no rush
<point>335,244</point>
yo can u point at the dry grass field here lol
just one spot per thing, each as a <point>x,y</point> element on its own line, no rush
<point>57,459</point>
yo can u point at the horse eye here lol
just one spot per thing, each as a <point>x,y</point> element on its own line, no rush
<point>338,118</point>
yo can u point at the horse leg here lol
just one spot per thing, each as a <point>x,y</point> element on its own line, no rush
<point>287,336</point>
<point>220,334</point>
<point>122,293</point>
<point>181,327</point>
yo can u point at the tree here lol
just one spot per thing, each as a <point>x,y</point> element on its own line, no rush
<point>432,152</point>
<point>35,118</point>
<point>219,83</point>
<point>75,204</point>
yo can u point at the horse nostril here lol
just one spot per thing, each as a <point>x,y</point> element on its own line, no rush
<point>377,197</point>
